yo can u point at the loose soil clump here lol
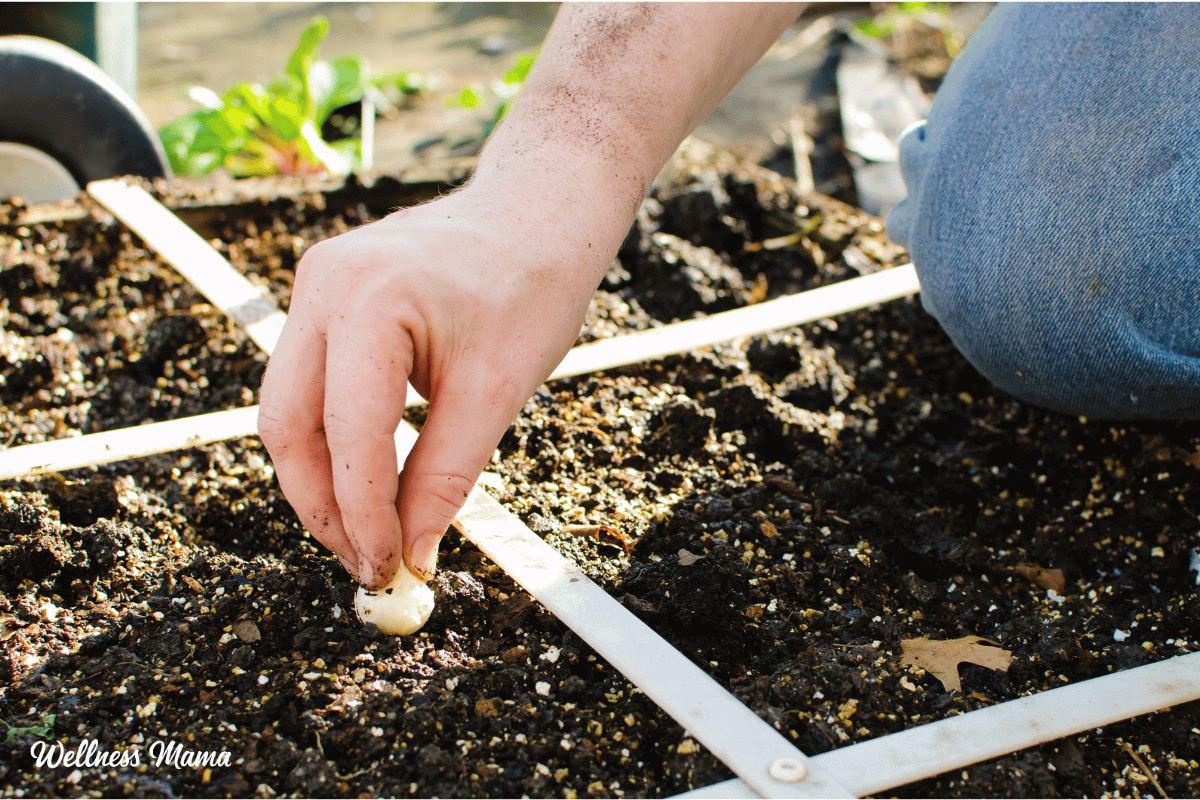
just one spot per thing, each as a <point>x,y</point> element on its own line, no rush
<point>784,509</point>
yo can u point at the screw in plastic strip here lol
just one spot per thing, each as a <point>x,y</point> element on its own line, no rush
<point>788,770</point>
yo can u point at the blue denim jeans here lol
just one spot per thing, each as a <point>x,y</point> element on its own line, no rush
<point>1053,209</point>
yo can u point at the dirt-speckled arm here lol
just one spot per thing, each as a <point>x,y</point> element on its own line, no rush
<point>614,91</point>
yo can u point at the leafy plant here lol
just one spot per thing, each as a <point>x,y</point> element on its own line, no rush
<point>253,130</point>
<point>504,89</point>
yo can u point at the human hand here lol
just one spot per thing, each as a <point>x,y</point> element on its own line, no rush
<point>476,297</point>
<point>473,299</point>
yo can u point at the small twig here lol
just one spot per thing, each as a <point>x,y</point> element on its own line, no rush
<point>1145,770</point>
<point>339,775</point>
<point>850,646</point>
<point>802,147</point>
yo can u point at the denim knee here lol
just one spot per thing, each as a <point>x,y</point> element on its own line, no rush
<point>1054,207</point>
<point>1081,339</point>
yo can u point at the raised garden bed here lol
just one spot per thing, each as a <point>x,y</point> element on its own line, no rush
<point>783,509</point>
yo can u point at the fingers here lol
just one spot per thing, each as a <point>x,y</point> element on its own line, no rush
<point>367,362</point>
<point>467,418</point>
<point>291,426</point>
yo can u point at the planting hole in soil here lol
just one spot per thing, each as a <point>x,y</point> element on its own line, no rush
<point>790,511</point>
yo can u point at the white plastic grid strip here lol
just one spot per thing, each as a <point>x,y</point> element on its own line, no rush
<point>194,258</point>
<point>897,759</point>
<point>783,312</point>
<point>59,455</point>
<point>633,348</point>
<point>251,308</point>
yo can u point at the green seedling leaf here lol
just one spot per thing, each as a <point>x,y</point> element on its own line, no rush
<point>467,98</point>
<point>506,91</point>
<point>250,95</point>
<point>869,27</point>
<point>514,82</point>
<point>200,164</point>
<point>337,83</point>
<point>219,133</point>
<point>348,149</point>
<point>177,138</point>
<point>258,159</point>
<point>300,65</point>
<point>520,69</point>
<point>285,119</point>
<point>43,731</point>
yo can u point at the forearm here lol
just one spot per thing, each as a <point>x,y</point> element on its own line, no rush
<point>614,91</point>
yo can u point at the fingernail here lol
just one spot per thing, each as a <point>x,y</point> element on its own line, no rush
<point>348,566</point>
<point>422,559</point>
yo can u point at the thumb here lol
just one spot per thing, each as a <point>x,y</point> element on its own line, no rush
<point>458,439</point>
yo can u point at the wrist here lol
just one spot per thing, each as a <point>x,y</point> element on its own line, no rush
<point>554,197</point>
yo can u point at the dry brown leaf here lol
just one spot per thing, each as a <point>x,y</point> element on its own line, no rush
<point>686,559</point>
<point>941,658</point>
<point>247,631</point>
<point>1043,577</point>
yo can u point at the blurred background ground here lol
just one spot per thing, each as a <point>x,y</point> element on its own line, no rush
<point>791,93</point>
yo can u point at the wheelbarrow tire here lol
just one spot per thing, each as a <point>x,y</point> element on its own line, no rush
<point>54,99</point>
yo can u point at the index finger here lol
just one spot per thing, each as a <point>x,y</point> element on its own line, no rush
<point>290,424</point>
<point>368,360</point>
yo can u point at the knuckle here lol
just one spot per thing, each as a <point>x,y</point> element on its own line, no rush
<point>313,265</point>
<point>341,433</point>
<point>447,492</point>
<point>314,256</point>
<point>275,427</point>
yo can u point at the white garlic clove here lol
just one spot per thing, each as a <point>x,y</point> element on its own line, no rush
<point>401,607</point>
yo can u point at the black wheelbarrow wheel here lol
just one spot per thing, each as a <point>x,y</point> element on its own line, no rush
<point>63,120</point>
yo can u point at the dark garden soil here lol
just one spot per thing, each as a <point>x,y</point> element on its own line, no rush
<point>797,503</point>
